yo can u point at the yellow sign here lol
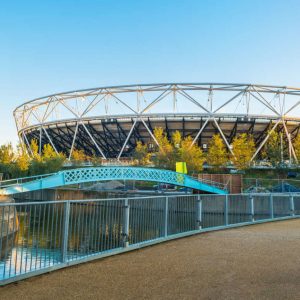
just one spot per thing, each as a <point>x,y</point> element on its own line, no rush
<point>181,167</point>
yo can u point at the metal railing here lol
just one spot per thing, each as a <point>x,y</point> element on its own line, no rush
<point>37,237</point>
<point>288,185</point>
<point>16,181</point>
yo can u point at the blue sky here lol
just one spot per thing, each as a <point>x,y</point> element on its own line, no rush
<point>52,46</point>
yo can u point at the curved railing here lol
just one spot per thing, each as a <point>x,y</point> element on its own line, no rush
<point>57,234</point>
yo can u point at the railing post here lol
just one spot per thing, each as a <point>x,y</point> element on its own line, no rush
<point>65,231</point>
<point>226,210</point>
<point>292,205</point>
<point>252,219</point>
<point>125,233</point>
<point>166,217</point>
<point>199,212</point>
<point>271,207</point>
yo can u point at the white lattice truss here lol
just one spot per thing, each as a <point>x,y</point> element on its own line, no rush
<point>210,101</point>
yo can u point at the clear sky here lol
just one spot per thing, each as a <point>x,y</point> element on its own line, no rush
<point>50,46</point>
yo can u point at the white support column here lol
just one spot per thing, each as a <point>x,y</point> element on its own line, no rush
<point>264,141</point>
<point>199,132</point>
<point>223,136</point>
<point>73,142</point>
<point>151,134</point>
<point>53,146</point>
<point>127,139</point>
<point>291,147</point>
<point>93,140</point>
<point>40,141</point>
<point>28,145</point>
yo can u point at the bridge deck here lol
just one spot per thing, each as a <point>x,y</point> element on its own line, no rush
<point>253,262</point>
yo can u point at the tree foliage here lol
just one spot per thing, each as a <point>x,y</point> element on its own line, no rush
<point>20,163</point>
<point>164,156</point>
<point>296,145</point>
<point>171,151</point>
<point>217,155</point>
<point>243,147</point>
<point>141,154</point>
<point>191,154</point>
<point>79,156</point>
<point>275,148</point>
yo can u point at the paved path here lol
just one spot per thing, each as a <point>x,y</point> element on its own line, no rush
<point>254,262</point>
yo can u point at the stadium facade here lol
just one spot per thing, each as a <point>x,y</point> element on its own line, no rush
<point>108,121</point>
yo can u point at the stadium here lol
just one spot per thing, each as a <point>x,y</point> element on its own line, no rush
<point>108,121</point>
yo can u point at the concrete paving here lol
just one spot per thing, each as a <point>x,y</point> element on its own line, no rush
<point>253,262</point>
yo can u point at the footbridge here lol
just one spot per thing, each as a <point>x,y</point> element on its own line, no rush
<point>91,174</point>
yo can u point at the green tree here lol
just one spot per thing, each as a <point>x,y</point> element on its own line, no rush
<point>7,154</point>
<point>275,148</point>
<point>243,147</point>
<point>141,154</point>
<point>217,154</point>
<point>296,145</point>
<point>164,156</point>
<point>23,159</point>
<point>48,152</point>
<point>191,154</point>
<point>7,158</point>
<point>35,150</point>
<point>78,157</point>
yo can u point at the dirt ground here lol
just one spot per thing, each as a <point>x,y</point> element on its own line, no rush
<point>254,262</point>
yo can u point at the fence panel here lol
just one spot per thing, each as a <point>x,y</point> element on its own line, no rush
<point>239,209</point>
<point>146,219</point>
<point>30,237</point>
<point>213,207</point>
<point>262,207</point>
<point>182,214</point>
<point>281,205</point>
<point>94,227</point>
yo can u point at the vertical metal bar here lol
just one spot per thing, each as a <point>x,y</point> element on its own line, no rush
<point>292,206</point>
<point>65,231</point>
<point>166,217</point>
<point>251,202</point>
<point>271,207</point>
<point>226,210</point>
<point>199,212</point>
<point>126,224</point>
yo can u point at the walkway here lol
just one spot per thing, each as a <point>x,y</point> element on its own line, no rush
<point>254,262</point>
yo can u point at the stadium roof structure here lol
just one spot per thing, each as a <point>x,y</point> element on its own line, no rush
<point>108,121</point>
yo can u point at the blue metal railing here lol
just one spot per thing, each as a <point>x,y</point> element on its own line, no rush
<point>36,237</point>
<point>81,175</point>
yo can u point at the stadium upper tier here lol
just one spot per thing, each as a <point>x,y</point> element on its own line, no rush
<point>108,121</point>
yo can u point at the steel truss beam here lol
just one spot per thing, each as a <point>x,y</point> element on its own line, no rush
<point>35,118</point>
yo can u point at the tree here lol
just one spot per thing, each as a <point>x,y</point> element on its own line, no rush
<point>7,158</point>
<point>48,152</point>
<point>78,156</point>
<point>296,145</point>
<point>164,156</point>
<point>192,155</point>
<point>23,159</point>
<point>217,154</point>
<point>7,154</point>
<point>141,154</point>
<point>35,150</point>
<point>275,148</point>
<point>243,147</point>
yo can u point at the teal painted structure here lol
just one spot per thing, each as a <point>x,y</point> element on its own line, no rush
<point>81,175</point>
